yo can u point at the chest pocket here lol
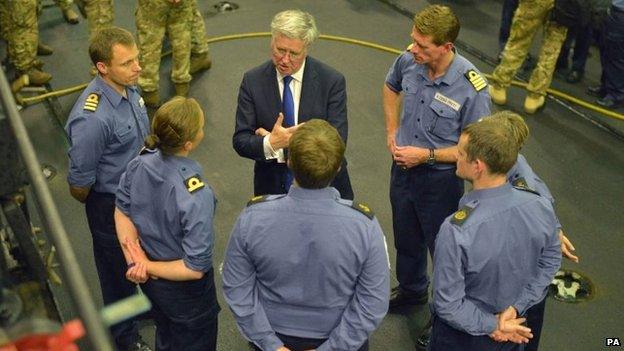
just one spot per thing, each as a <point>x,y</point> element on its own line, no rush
<point>125,132</point>
<point>445,121</point>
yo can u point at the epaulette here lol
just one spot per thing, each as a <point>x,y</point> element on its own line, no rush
<point>193,183</point>
<point>363,209</point>
<point>525,188</point>
<point>461,215</point>
<point>262,198</point>
<point>91,102</point>
<point>477,81</point>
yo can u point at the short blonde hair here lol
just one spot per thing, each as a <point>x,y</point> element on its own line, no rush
<point>516,124</point>
<point>493,143</point>
<point>438,21</point>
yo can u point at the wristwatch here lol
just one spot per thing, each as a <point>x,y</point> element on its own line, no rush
<point>431,160</point>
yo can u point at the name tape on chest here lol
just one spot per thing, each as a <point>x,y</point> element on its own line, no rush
<point>477,81</point>
<point>447,101</point>
<point>193,183</point>
<point>91,102</point>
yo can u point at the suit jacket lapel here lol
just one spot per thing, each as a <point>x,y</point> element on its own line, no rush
<point>308,89</point>
<point>271,93</point>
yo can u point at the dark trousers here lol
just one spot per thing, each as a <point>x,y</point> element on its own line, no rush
<point>302,344</point>
<point>110,263</point>
<point>509,7</point>
<point>612,55</point>
<point>185,313</point>
<point>421,198</point>
<point>535,320</point>
<point>446,338</point>
<point>581,37</point>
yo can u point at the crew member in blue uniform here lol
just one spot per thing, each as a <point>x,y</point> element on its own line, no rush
<point>308,270</point>
<point>106,128</point>
<point>163,200</point>
<point>522,175</point>
<point>442,93</point>
<point>494,257</point>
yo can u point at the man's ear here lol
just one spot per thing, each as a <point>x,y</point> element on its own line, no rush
<point>101,67</point>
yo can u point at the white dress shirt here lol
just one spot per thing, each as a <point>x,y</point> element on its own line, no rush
<point>295,87</point>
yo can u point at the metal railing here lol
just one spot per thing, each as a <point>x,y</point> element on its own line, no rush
<point>97,330</point>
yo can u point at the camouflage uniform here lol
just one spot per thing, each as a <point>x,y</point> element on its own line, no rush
<point>153,18</point>
<point>199,44</point>
<point>64,4</point>
<point>19,28</point>
<point>530,15</point>
<point>100,14</point>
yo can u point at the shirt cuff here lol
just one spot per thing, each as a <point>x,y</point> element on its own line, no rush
<point>271,154</point>
<point>271,342</point>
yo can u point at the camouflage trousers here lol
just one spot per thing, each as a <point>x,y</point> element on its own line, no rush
<point>530,16</point>
<point>100,14</point>
<point>199,44</point>
<point>64,4</point>
<point>153,19</point>
<point>18,20</point>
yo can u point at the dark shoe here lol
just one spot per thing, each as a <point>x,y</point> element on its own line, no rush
<point>574,76</point>
<point>422,343</point>
<point>609,102</point>
<point>399,298</point>
<point>70,16</point>
<point>44,50</point>
<point>200,63</point>
<point>597,91</point>
<point>140,345</point>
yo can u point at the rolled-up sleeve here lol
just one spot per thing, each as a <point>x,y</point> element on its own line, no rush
<point>197,214</point>
<point>88,137</point>
<point>394,77</point>
<point>241,292</point>
<point>122,195</point>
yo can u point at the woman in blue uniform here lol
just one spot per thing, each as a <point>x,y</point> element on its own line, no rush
<point>164,214</point>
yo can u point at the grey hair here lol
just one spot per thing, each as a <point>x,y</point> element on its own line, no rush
<point>295,24</point>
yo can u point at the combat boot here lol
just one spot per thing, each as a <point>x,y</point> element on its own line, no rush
<point>498,94</point>
<point>19,83</point>
<point>44,50</point>
<point>36,77</point>
<point>200,62</point>
<point>182,89</point>
<point>70,16</point>
<point>532,103</point>
<point>151,98</point>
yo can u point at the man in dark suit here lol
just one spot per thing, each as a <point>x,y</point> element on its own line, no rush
<point>281,93</point>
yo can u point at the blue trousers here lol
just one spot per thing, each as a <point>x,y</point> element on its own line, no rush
<point>446,338</point>
<point>612,55</point>
<point>185,313</point>
<point>509,7</point>
<point>110,263</point>
<point>302,344</point>
<point>582,38</point>
<point>421,198</point>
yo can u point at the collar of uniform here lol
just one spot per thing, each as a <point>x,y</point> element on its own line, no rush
<point>298,76</point>
<point>487,193</point>
<point>514,169</point>
<point>454,71</point>
<point>303,193</point>
<point>111,94</point>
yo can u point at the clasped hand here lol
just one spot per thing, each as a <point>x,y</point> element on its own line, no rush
<point>137,271</point>
<point>510,328</point>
